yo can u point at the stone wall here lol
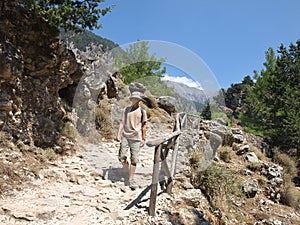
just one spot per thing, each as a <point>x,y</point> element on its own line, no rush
<point>34,68</point>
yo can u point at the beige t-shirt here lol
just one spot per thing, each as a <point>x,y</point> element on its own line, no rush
<point>133,123</point>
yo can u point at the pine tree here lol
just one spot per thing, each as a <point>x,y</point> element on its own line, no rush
<point>273,103</point>
<point>136,63</point>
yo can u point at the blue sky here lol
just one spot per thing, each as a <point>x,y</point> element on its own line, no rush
<point>230,36</point>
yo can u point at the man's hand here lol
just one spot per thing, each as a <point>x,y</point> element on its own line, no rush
<point>118,139</point>
<point>142,143</point>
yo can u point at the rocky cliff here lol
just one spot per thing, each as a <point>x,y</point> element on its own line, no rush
<point>35,68</point>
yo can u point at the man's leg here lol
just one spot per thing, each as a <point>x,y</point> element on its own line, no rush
<point>126,168</point>
<point>131,171</point>
<point>123,158</point>
<point>134,152</point>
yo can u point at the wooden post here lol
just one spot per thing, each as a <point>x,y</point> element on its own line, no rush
<point>154,184</point>
<point>166,171</point>
<point>174,157</point>
<point>173,142</point>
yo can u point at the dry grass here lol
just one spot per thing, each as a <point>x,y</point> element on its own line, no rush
<point>291,196</point>
<point>20,161</point>
<point>216,182</point>
<point>255,167</point>
<point>225,153</point>
<point>288,163</point>
<point>104,123</point>
<point>159,116</point>
<point>260,155</point>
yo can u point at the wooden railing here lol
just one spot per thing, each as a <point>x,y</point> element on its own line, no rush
<point>162,147</point>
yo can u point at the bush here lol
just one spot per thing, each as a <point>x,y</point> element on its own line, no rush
<point>260,155</point>
<point>254,166</point>
<point>104,121</point>
<point>287,162</point>
<point>197,162</point>
<point>68,129</point>
<point>291,196</point>
<point>49,154</point>
<point>216,115</point>
<point>225,154</point>
<point>218,184</point>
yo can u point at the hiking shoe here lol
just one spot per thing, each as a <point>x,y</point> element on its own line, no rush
<point>127,183</point>
<point>132,185</point>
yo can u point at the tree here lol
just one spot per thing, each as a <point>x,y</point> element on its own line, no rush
<point>272,105</point>
<point>235,95</point>
<point>67,14</point>
<point>157,86</point>
<point>206,113</point>
<point>135,63</point>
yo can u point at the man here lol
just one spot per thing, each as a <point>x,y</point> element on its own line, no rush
<point>132,133</point>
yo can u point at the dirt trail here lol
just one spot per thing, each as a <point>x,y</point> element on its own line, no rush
<point>87,188</point>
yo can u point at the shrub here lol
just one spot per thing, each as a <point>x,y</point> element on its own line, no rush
<point>291,196</point>
<point>260,155</point>
<point>49,154</point>
<point>218,184</point>
<point>287,162</point>
<point>254,166</point>
<point>104,121</point>
<point>216,115</point>
<point>225,154</point>
<point>197,162</point>
<point>68,129</point>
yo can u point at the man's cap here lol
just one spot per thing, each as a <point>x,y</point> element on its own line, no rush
<point>136,95</point>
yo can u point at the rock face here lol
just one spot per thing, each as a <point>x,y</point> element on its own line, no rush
<point>34,69</point>
<point>167,103</point>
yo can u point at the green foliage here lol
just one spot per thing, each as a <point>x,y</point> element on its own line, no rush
<point>219,100</point>
<point>206,112</point>
<point>67,129</point>
<point>273,103</point>
<point>49,154</point>
<point>157,86</point>
<point>85,38</point>
<point>235,95</point>
<point>68,14</point>
<point>216,115</point>
<point>213,110</point>
<point>136,63</point>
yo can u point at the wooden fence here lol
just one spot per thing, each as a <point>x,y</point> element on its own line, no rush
<point>162,147</point>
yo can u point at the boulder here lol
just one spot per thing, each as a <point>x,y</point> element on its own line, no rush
<point>137,87</point>
<point>250,188</point>
<point>167,103</point>
<point>242,149</point>
<point>221,121</point>
<point>271,170</point>
<point>251,158</point>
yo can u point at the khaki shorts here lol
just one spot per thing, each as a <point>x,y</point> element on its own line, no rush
<point>134,146</point>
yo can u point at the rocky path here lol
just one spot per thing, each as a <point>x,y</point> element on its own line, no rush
<point>87,188</point>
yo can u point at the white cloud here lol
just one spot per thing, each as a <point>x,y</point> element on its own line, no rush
<point>183,80</point>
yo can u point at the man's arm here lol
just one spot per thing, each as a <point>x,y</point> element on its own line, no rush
<point>144,128</point>
<point>118,137</point>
